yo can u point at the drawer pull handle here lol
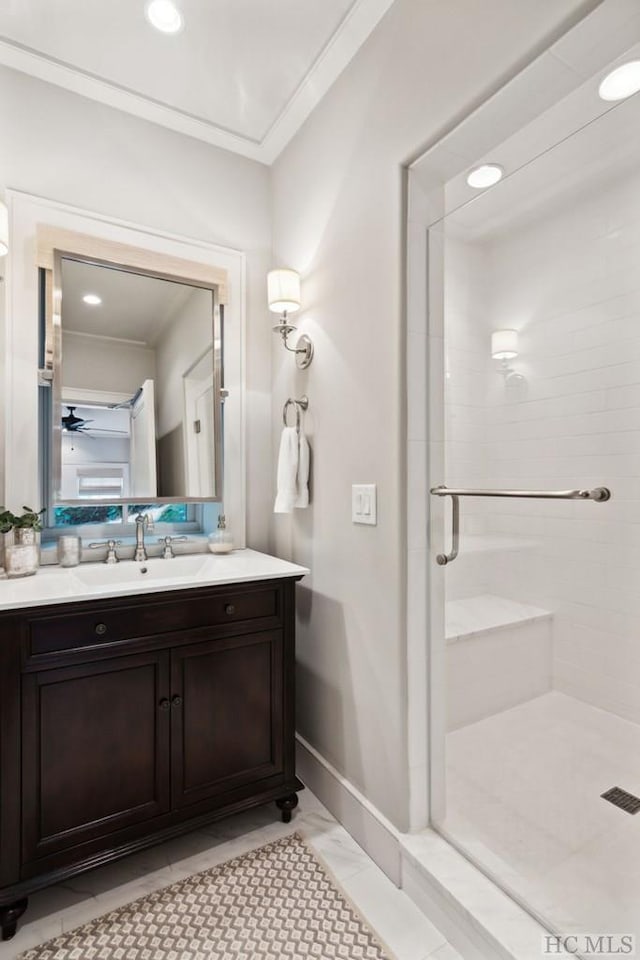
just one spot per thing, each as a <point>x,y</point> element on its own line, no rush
<point>165,703</point>
<point>176,701</point>
<point>229,609</point>
<point>101,629</point>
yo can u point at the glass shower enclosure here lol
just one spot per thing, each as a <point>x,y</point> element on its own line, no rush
<point>536,768</point>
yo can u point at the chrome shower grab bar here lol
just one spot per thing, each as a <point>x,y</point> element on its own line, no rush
<point>598,494</point>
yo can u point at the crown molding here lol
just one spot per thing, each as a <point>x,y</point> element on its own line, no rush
<point>354,29</point>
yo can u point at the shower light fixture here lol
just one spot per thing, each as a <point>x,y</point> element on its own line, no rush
<point>486,175</point>
<point>504,347</point>
<point>164,16</point>
<point>283,288</point>
<point>92,299</point>
<point>622,82</point>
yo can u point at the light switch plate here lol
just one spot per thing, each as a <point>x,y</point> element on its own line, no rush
<point>364,506</point>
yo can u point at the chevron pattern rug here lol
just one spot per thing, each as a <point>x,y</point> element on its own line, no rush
<point>272,903</point>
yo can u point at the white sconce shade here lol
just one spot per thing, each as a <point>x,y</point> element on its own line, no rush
<point>283,287</point>
<point>504,344</point>
<point>4,230</point>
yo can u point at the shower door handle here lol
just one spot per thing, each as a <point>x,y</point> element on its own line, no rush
<point>443,558</point>
<point>598,495</point>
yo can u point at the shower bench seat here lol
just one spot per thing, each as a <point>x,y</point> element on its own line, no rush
<point>498,655</point>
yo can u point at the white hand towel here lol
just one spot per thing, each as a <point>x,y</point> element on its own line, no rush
<point>302,486</point>
<point>287,478</point>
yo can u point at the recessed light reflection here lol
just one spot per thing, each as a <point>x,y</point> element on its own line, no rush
<point>164,16</point>
<point>92,299</point>
<point>622,82</point>
<point>485,176</point>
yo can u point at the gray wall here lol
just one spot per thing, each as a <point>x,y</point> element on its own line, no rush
<point>337,217</point>
<point>64,147</point>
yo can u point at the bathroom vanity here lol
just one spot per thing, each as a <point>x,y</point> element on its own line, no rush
<point>136,703</point>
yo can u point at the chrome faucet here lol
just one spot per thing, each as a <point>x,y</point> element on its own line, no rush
<point>142,522</point>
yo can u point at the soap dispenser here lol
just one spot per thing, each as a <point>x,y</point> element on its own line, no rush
<point>221,541</point>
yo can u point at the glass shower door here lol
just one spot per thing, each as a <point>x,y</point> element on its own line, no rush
<point>540,777</point>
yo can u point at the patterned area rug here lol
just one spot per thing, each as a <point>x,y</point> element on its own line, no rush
<point>272,903</point>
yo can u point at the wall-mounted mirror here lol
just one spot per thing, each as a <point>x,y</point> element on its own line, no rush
<point>137,380</point>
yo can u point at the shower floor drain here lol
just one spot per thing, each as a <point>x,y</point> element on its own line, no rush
<point>620,798</point>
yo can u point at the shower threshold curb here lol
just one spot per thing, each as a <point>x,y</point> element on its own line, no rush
<point>472,912</point>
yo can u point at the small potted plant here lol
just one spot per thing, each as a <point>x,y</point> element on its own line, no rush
<point>27,526</point>
<point>22,557</point>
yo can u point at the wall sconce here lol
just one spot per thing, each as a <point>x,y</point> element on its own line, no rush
<point>4,230</point>
<point>283,287</point>
<point>504,347</point>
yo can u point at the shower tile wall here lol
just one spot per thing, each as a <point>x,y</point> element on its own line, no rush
<point>570,283</point>
<point>467,372</point>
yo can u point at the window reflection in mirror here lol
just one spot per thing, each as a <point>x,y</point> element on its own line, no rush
<point>137,384</point>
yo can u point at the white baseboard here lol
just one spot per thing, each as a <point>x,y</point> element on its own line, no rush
<point>368,827</point>
<point>475,916</point>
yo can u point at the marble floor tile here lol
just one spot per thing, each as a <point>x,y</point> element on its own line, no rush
<point>397,920</point>
<point>399,923</point>
<point>445,952</point>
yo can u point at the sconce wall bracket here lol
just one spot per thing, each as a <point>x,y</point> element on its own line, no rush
<point>303,348</point>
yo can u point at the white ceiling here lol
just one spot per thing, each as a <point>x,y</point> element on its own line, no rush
<point>242,74</point>
<point>569,151</point>
<point>134,308</point>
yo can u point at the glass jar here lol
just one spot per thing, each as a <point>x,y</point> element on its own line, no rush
<point>27,537</point>
<point>69,551</point>
<point>221,540</point>
<point>21,560</point>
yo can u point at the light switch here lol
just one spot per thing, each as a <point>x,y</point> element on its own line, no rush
<point>364,507</point>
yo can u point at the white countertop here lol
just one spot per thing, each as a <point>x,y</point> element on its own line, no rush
<point>92,581</point>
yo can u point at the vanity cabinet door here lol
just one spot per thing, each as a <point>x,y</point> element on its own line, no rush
<point>227,716</point>
<point>95,750</point>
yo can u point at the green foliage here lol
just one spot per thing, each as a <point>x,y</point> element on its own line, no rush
<point>6,520</point>
<point>30,519</point>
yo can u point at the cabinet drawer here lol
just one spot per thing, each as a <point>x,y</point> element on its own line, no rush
<point>109,623</point>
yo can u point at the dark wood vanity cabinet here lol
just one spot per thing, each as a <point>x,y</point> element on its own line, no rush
<point>124,722</point>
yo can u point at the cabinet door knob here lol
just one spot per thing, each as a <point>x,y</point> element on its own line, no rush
<point>101,629</point>
<point>165,703</point>
<point>229,609</point>
<point>176,701</point>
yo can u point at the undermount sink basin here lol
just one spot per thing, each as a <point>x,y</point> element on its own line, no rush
<point>128,571</point>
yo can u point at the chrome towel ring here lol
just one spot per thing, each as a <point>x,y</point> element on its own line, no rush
<point>301,404</point>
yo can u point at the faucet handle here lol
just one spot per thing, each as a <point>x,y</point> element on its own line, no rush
<point>112,556</point>
<point>167,553</point>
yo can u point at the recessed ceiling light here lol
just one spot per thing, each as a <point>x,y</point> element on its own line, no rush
<point>92,299</point>
<point>164,16</point>
<point>485,176</point>
<point>621,82</point>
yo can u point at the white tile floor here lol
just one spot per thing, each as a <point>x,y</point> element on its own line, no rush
<point>523,798</point>
<point>394,917</point>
